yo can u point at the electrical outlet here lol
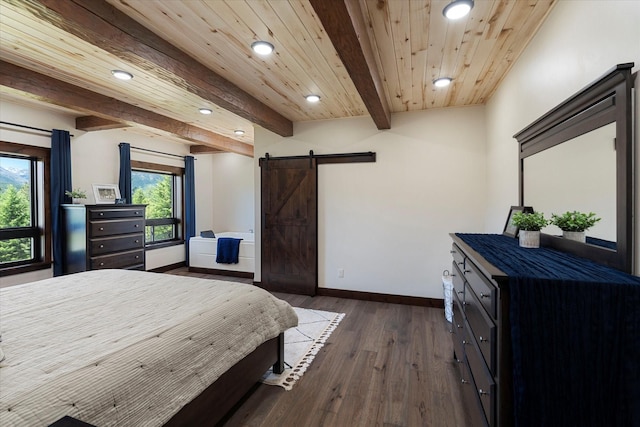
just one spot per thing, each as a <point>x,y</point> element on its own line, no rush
<point>341,273</point>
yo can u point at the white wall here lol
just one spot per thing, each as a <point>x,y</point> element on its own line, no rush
<point>233,193</point>
<point>574,47</point>
<point>387,223</point>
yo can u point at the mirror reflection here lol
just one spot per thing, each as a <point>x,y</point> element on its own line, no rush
<point>579,174</point>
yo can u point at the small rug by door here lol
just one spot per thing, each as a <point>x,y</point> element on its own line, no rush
<point>302,343</point>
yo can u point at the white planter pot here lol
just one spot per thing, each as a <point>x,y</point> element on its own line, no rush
<point>529,239</point>
<point>578,236</point>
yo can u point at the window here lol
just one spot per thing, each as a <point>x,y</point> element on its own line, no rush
<point>25,237</point>
<point>160,188</point>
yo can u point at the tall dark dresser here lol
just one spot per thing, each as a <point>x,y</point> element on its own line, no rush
<point>103,236</point>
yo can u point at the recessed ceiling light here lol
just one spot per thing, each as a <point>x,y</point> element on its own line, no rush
<point>442,82</point>
<point>457,9</point>
<point>312,98</point>
<point>262,48</point>
<point>238,132</point>
<point>122,75</point>
<point>205,111</point>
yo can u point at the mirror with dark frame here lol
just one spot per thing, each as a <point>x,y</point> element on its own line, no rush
<point>578,156</point>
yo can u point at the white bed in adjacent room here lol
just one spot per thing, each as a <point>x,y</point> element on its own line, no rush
<point>203,252</point>
<point>125,348</point>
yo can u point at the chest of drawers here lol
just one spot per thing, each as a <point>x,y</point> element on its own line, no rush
<point>103,236</point>
<point>543,337</point>
<point>481,337</point>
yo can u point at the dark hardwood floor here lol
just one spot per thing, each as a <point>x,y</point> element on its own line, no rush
<point>385,365</point>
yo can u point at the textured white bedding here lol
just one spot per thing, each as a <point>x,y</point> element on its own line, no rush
<point>124,348</point>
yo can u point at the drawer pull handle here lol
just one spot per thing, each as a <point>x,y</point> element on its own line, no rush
<point>461,292</point>
<point>482,392</point>
<point>101,246</point>
<point>137,256</point>
<point>483,339</point>
<point>466,271</point>
<point>101,213</point>
<point>460,263</point>
<point>483,295</point>
<point>465,342</point>
<point>452,252</point>
<point>136,226</point>
<point>101,228</point>
<point>458,326</point>
<point>137,241</point>
<point>102,263</point>
<point>136,213</point>
<point>465,381</point>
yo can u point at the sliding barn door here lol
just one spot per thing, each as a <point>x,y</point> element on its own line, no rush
<point>289,225</point>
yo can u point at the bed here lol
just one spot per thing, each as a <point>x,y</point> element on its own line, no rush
<point>203,251</point>
<point>132,348</point>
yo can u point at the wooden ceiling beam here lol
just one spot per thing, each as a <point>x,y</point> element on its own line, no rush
<point>91,123</point>
<point>203,149</point>
<point>104,26</point>
<point>37,86</point>
<point>344,23</point>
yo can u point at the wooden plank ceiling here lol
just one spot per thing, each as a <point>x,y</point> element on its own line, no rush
<point>362,57</point>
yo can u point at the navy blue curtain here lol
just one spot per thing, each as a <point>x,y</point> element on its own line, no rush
<point>189,202</point>
<point>60,182</point>
<point>125,171</point>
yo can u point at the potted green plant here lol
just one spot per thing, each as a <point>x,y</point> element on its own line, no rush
<point>574,224</point>
<point>529,225</point>
<point>76,195</point>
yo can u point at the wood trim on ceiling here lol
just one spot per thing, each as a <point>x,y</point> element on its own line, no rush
<point>92,123</point>
<point>34,85</point>
<point>102,25</point>
<point>203,149</point>
<point>344,23</point>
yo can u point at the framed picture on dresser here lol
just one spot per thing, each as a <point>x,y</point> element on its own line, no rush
<point>106,193</point>
<point>509,228</point>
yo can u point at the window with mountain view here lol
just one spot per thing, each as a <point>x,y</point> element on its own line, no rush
<point>23,234</point>
<point>161,192</point>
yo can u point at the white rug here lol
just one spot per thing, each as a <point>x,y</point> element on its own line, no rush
<point>302,343</point>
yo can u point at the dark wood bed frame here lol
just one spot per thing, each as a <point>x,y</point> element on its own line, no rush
<point>211,406</point>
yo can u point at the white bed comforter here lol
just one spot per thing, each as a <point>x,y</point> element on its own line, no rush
<point>124,348</point>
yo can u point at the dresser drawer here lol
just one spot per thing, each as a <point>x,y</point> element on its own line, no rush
<point>482,327</point>
<point>119,260</point>
<point>115,244</point>
<point>108,228</point>
<point>486,292</point>
<point>106,213</point>
<point>472,401</point>
<point>458,280</point>
<point>457,328</point>
<point>458,255</point>
<point>483,381</point>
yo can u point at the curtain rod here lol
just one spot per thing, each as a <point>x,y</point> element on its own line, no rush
<point>157,152</point>
<point>28,127</point>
